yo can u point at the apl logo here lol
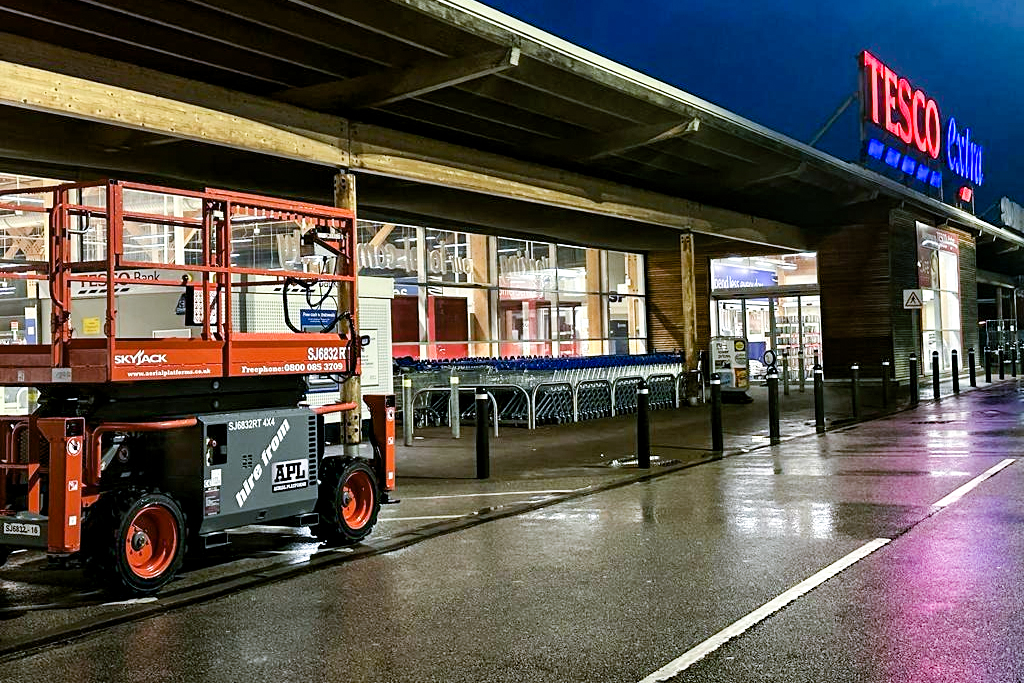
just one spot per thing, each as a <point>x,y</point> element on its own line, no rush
<point>139,358</point>
<point>290,475</point>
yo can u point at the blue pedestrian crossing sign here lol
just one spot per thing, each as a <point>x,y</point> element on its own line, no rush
<point>912,298</point>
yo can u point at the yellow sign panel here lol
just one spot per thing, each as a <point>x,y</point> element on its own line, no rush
<point>90,325</point>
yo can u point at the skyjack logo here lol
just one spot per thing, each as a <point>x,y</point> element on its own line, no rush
<point>139,358</point>
<point>265,458</point>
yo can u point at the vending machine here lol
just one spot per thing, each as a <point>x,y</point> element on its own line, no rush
<point>729,360</point>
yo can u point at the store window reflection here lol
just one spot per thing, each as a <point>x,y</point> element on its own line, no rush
<point>461,294</point>
<point>939,277</point>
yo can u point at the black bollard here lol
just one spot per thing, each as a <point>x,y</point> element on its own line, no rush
<point>935,375</point>
<point>819,399</point>
<point>483,444</point>
<point>802,371</point>
<point>785,373</point>
<point>773,405</point>
<point>970,363</point>
<point>956,372</point>
<point>855,389</point>
<point>885,383</point>
<point>988,365</point>
<point>915,392</point>
<point>643,427</point>
<point>1001,361</point>
<point>408,411</point>
<point>1013,360</point>
<point>717,444</point>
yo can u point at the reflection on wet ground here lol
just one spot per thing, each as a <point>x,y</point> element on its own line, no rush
<point>875,480</point>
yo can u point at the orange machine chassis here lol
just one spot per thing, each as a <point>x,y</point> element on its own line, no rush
<point>55,454</point>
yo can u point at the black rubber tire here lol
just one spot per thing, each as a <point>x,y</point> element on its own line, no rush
<point>339,479</point>
<point>5,552</point>
<point>108,527</point>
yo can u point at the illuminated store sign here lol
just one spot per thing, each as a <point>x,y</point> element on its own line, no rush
<point>904,112</point>
<point>725,276</point>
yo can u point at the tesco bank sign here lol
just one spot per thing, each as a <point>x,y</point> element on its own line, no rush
<point>894,105</point>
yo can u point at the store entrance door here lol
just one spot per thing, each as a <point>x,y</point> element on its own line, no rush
<point>783,324</point>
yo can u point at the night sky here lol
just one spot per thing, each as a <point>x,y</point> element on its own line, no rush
<point>789,65</point>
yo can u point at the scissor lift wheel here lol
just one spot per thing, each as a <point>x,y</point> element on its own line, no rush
<point>349,501</point>
<point>136,537</point>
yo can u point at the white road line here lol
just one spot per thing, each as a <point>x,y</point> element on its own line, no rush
<point>413,519</point>
<point>963,490</point>
<point>688,658</point>
<point>478,495</point>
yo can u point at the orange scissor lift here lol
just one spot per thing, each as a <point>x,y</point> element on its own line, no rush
<point>171,392</point>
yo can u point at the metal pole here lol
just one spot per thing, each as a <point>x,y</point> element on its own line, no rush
<point>855,389</point>
<point>885,383</point>
<point>1002,368</point>
<point>408,411</point>
<point>915,391</point>
<point>956,372</point>
<point>483,445</point>
<point>935,375</point>
<point>971,370</point>
<point>773,403</point>
<point>819,399</point>
<point>717,442</point>
<point>785,373</point>
<point>1013,360</point>
<point>454,414</point>
<point>988,365</point>
<point>643,427</point>
<point>802,371</point>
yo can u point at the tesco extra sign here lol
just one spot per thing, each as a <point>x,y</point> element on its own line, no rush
<point>893,104</point>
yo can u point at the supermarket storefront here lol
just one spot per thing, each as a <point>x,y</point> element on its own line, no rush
<point>460,294</point>
<point>772,301</point>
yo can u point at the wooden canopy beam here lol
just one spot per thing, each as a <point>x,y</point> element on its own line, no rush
<point>44,91</point>
<point>391,85</point>
<point>598,145</point>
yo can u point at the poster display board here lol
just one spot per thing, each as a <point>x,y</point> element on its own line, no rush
<point>729,360</point>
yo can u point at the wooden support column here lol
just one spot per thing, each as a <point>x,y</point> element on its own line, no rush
<point>595,316</point>
<point>351,390</point>
<point>480,318</point>
<point>688,291</point>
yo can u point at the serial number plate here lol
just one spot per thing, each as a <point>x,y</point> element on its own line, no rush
<point>21,529</point>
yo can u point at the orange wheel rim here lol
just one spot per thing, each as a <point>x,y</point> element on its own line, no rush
<point>152,542</point>
<point>357,500</point>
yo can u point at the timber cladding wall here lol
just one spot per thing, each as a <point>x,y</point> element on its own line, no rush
<point>856,299</point>
<point>903,257</point>
<point>665,300</point>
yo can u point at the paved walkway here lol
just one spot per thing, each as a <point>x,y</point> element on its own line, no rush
<point>599,449</point>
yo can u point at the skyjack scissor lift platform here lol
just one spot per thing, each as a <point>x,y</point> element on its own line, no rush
<point>171,390</point>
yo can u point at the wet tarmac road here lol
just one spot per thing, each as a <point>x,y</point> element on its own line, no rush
<point>612,586</point>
